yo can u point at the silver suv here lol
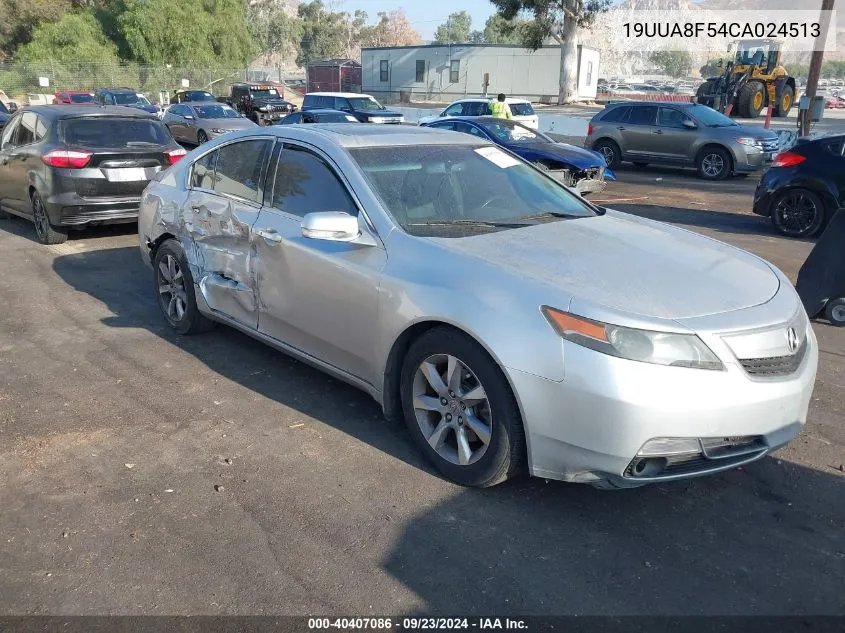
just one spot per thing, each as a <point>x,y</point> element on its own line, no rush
<point>682,134</point>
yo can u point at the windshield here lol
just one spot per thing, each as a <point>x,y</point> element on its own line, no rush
<point>450,191</point>
<point>709,117</point>
<point>82,98</point>
<point>264,93</point>
<point>101,132</point>
<point>127,98</point>
<point>365,104</point>
<point>754,54</point>
<point>513,132</point>
<point>199,96</point>
<point>216,112</point>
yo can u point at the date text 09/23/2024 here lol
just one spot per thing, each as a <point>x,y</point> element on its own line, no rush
<point>418,623</point>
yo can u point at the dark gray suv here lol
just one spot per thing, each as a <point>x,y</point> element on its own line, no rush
<point>679,134</point>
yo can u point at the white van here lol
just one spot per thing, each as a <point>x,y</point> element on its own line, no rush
<point>522,111</point>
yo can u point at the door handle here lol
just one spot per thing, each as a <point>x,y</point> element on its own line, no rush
<point>270,235</point>
<point>621,128</point>
<point>658,131</point>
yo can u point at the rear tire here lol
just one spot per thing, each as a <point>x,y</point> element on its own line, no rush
<point>752,100</point>
<point>174,287</point>
<point>610,151</point>
<point>834,311</point>
<point>714,163</point>
<point>785,105</point>
<point>798,213</point>
<point>476,438</point>
<point>46,232</point>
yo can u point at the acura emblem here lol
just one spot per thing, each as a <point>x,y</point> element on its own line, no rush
<point>792,340</point>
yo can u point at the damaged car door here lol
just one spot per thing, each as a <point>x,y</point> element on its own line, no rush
<point>226,193</point>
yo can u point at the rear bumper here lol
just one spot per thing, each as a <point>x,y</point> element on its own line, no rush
<point>68,209</point>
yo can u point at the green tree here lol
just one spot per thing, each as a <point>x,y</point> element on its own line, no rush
<point>210,32</point>
<point>559,20</point>
<point>76,37</point>
<point>274,31</point>
<point>392,29</point>
<point>456,29</point>
<point>498,30</point>
<point>19,18</point>
<point>324,33</point>
<point>676,64</point>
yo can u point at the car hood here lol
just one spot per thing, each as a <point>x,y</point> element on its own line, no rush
<point>239,123</point>
<point>754,131</point>
<point>147,108</point>
<point>628,264</point>
<point>386,113</point>
<point>575,156</point>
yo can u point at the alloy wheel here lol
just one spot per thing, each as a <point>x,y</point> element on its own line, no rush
<point>39,216</point>
<point>452,409</point>
<point>713,165</point>
<point>797,213</point>
<point>608,153</point>
<point>171,289</point>
<point>838,313</point>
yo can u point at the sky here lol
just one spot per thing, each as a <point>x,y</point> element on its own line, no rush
<point>425,15</point>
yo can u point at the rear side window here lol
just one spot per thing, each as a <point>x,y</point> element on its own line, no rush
<point>108,132</point>
<point>836,148</point>
<point>643,115</point>
<point>240,167</point>
<point>616,115</point>
<point>477,108</point>
<point>305,184</point>
<point>456,109</point>
<point>521,109</point>
<point>309,101</point>
<point>202,173</point>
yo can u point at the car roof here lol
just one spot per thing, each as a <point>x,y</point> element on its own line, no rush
<point>57,111</point>
<point>323,111</point>
<point>678,104</point>
<point>118,90</point>
<point>337,94</point>
<point>361,135</point>
<point>489,99</point>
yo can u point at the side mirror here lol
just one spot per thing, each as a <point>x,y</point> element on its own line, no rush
<point>189,117</point>
<point>690,125</point>
<point>331,226</point>
<point>13,107</point>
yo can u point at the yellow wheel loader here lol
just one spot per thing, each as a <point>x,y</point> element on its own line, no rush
<point>752,80</point>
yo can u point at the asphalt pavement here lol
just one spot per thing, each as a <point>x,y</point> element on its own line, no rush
<point>142,472</point>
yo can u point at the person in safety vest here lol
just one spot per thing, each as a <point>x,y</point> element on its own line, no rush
<point>500,109</point>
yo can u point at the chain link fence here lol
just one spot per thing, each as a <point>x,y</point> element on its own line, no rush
<point>19,79</point>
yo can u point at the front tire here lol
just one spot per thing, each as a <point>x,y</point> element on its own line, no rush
<point>610,151</point>
<point>834,311</point>
<point>46,232</point>
<point>714,163</point>
<point>174,287</point>
<point>460,410</point>
<point>752,99</point>
<point>798,213</point>
<point>202,137</point>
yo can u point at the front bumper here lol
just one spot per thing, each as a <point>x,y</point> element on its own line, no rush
<point>749,159</point>
<point>590,427</point>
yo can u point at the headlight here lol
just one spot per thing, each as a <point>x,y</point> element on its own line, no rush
<point>376,119</point>
<point>262,108</point>
<point>351,118</point>
<point>750,142</point>
<point>645,346</point>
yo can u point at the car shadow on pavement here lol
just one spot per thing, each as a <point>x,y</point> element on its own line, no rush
<point>231,354</point>
<point>768,538</point>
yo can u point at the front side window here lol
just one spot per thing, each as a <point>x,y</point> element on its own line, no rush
<point>305,184</point>
<point>420,75</point>
<point>455,71</point>
<point>202,173</point>
<point>454,191</point>
<point>670,117</point>
<point>384,70</point>
<point>456,109</point>
<point>365,104</point>
<point>26,130</point>
<point>240,167</point>
<point>9,133</point>
<point>513,132</point>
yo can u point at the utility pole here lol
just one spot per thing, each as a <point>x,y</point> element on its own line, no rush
<point>804,116</point>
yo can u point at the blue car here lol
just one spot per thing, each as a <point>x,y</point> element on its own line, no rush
<point>580,169</point>
<point>124,97</point>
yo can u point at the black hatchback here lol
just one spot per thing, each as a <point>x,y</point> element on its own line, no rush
<point>66,167</point>
<point>804,187</point>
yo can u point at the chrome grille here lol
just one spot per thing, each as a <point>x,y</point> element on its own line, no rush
<point>775,366</point>
<point>770,145</point>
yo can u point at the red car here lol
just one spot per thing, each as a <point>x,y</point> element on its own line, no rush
<point>75,97</point>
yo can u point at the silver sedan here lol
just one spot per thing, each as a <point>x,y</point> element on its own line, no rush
<point>197,123</point>
<point>512,325</point>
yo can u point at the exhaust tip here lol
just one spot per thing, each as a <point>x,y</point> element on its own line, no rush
<point>648,466</point>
